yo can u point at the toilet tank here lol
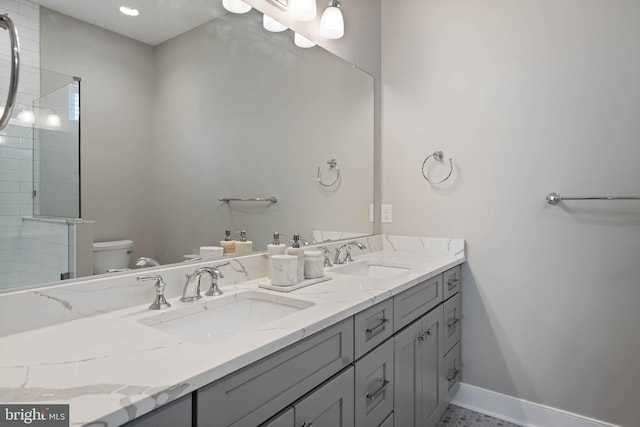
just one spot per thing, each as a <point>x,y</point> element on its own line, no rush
<point>111,255</point>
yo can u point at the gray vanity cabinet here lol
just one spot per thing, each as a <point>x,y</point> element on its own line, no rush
<point>417,367</point>
<point>174,414</point>
<point>415,301</point>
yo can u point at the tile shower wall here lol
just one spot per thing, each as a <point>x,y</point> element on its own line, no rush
<point>16,140</point>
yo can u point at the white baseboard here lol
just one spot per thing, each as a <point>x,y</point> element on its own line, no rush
<point>519,411</point>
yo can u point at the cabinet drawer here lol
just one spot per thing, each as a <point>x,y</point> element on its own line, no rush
<point>452,322</point>
<point>414,302</point>
<point>374,386</point>
<point>452,282</point>
<point>252,395</point>
<point>372,326</point>
<point>450,375</point>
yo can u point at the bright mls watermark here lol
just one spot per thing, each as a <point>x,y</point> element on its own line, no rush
<point>34,415</point>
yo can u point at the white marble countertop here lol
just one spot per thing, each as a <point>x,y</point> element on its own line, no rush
<point>111,368</point>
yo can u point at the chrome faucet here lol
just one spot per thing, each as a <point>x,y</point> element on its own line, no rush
<point>160,303</point>
<point>191,291</point>
<point>327,256</point>
<point>347,248</point>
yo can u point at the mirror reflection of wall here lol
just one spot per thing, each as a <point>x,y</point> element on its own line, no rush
<point>226,109</point>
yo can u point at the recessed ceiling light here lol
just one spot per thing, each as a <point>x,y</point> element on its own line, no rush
<point>129,11</point>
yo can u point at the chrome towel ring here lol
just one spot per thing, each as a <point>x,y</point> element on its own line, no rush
<point>333,163</point>
<point>7,24</point>
<point>438,156</point>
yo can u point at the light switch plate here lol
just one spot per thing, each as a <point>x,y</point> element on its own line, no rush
<point>370,213</point>
<point>386,213</point>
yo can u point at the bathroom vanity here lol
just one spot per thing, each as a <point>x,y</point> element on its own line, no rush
<point>377,345</point>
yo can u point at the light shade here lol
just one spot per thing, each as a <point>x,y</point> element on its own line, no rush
<point>303,10</point>
<point>332,22</point>
<point>236,6</point>
<point>53,120</point>
<point>272,25</point>
<point>302,41</point>
<point>26,116</point>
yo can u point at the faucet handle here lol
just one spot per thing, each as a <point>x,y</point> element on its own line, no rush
<point>216,274</point>
<point>327,256</point>
<point>160,303</point>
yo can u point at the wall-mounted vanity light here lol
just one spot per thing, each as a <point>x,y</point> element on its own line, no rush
<point>332,22</point>
<point>236,6</point>
<point>303,10</point>
<point>302,41</point>
<point>272,25</point>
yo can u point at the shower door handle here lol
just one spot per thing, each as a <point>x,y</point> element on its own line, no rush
<point>7,24</point>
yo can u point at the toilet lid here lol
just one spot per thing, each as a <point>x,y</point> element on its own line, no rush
<point>116,244</point>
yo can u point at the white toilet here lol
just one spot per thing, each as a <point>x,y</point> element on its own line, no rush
<point>111,255</point>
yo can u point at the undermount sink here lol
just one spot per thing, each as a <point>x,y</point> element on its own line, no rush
<point>210,321</point>
<point>370,269</point>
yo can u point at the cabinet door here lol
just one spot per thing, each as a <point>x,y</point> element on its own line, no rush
<point>331,405</point>
<point>430,343</point>
<point>374,386</point>
<point>407,391</point>
<point>417,368</point>
<point>174,414</point>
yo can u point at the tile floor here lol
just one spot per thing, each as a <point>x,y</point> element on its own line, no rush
<point>456,416</point>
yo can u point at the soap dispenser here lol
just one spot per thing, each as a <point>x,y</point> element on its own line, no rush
<point>228,245</point>
<point>275,248</point>
<point>244,246</point>
<point>296,250</point>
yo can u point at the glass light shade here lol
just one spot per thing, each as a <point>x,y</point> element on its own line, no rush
<point>303,10</point>
<point>272,25</point>
<point>236,6</point>
<point>302,41</point>
<point>26,116</point>
<point>332,23</point>
<point>53,120</point>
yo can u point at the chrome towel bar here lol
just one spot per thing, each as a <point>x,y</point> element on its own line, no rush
<point>7,24</point>
<point>272,199</point>
<point>555,198</point>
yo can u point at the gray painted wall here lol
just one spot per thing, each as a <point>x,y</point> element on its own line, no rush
<point>241,112</point>
<point>117,97</point>
<point>527,97</point>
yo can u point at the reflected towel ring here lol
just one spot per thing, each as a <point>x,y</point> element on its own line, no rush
<point>333,163</point>
<point>438,156</point>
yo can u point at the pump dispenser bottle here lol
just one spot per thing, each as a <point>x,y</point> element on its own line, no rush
<point>296,250</point>
<point>275,248</point>
<point>228,245</point>
<point>244,246</point>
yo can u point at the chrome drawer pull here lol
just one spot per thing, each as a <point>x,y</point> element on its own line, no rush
<point>375,394</point>
<point>452,322</point>
<point>452,284</point>
<point>452,378</point>
<point>307,424</point>
<point>377,329</point>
